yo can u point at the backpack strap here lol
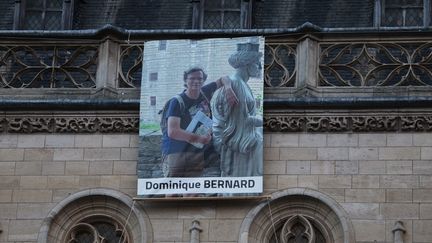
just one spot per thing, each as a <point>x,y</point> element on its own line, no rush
<point>181,103</point>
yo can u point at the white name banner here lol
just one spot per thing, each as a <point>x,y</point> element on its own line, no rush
<point>188,185</point>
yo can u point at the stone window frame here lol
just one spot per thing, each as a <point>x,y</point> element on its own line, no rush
<point>323,212</point>
<point>20,12</point>
<point>198,13</point>
<point>379,13</point>
<point>96,204</point>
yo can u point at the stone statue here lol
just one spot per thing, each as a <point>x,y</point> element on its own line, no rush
<point>237,130</point>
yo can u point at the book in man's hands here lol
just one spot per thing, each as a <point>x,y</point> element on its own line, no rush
<point>200,125</point>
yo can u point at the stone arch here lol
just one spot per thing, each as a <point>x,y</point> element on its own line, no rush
<point>98,203</point>
<point>324,213</point>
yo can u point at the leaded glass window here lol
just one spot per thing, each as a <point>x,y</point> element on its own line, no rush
<point>43,14</point>
<point>106,231</point>
<point>398,13</point>
<point>222,14</point>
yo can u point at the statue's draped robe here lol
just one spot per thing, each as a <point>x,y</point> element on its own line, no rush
<point>237,132</point>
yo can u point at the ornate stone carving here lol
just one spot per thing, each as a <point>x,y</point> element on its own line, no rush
<point>348,123</point>
<point>28,125</point>
<point>375,64</point>
<point>69,124</point>
<point>60,66</point>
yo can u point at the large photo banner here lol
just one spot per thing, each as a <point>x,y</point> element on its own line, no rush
<point>201,110</point>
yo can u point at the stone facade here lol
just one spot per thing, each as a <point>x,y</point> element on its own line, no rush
<point>377,178</point>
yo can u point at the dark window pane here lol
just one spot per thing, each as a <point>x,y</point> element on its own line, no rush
<point>153,76</point>
<point>210,4</point>
<point>33,20</point>
<point>53,20</point>
<point>84,237</point>
<point>414,17</point>
<point>54,4</point>
<point>393,17</point>
<point>232,4</point>
<point>34,4</point>
<point>212,20</point>
<point>108,232</point>
<point>231,20</point>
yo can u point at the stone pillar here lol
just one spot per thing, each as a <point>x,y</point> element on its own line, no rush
<point>108,58</point>
<point>398,232</point>
<point>195,231</point>
<point>307,63</point>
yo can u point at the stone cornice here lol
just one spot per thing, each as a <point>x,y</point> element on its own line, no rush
<point>281,121</point>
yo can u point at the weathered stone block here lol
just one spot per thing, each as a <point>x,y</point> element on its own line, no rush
<point>224,230</point>
<point>369,230</point>
<point>11,154</point>
<point>5,196</point>
<point>101,167</point>
<point>426,153</point>
<point>8,141</point>
<point>7,168</point>
<point>372,167</point>
<point>102,154</point>
<point>8,210</point>
<point>422,139</point>
<point>298,167</point>
<point>31,141</point>
<point>332,153</point>
<point>363,153</point>
<point>28,168</point>
<point>400,211</point>
<point>167,230</point>
<point>129,154</point>
<point>88,141</point>
<point>362,210</point>
<point>63,182</point>
<point>118,141</point>
<point>308,181</point>
<point>334,181</point>
<point>286,181</point>
<point>33,182</point>
<point>24,230</point>
<point>422,230</point>
<point>53,168</point>
<point>312,140</point>
<point>399,181</point>
<point>197,212</point>
<point>68,154</point>
<point>298,153</point>
<point>365,181</point>
<point>422,167</point>
<point>399,153</point>
<point>60,141</point>
<point>349,167</point>
<point>323,167</point>
<point>365,195</point>
<point>342,140</point>
<point>33,210</point>
<point>372,140</point>
<point>39,154</point>
<point>77,168</point>
<point>271,154</point>
<point>284,140</point>
<point>399,167</point>
<point>422,195</point>
<point>426,211</point>
<point>400,139</point>
<point>125,167</point>
<point>399,195</point>
<point>274,167</point>
<point>32,196</point>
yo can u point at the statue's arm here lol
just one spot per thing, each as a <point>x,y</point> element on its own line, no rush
<point>176,132</point>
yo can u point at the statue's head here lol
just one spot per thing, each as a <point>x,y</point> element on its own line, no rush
<point>247,56</point>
